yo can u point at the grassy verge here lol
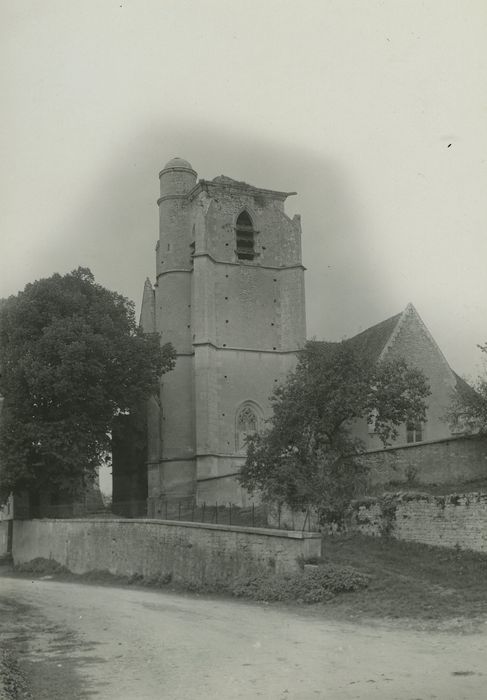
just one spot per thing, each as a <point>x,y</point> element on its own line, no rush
<point>322,584</point>
<point>410,580</point>
<point>358,578</point>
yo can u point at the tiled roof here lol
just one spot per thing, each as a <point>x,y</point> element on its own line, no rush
<point>463,388</point>
<point>371,342</point>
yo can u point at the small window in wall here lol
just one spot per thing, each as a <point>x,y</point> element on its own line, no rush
<point>245,234</point>
<point>463,425</point>
<point>247,424</point>
<point>414,432</point>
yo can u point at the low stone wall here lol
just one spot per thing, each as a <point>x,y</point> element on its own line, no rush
<point>450,461</point>
<point>456,520</point>
<point>196,552</point>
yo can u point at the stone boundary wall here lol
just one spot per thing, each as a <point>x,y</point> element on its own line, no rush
<point>456,520</point>
<point>453,460</point>
<point>196,552</point>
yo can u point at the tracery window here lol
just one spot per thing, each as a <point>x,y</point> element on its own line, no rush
<point>245,235</point>
<point>247,424</point>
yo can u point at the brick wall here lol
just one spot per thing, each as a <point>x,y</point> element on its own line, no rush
<point>455,460</point>
<point>446,521</point>
<point>188,551</point>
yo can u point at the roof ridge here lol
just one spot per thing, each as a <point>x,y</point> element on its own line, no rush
<point>371,341</point>
<point>402,317</point>
<point>408,311</point>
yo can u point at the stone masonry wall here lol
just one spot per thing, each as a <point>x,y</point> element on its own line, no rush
<point>195,552</point>
<point>456,460</point>
<point>456,520</point>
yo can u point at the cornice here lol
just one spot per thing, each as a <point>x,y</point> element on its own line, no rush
<point>232,348</point>
<point>243,263</point>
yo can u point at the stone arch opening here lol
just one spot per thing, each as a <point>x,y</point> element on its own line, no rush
<point>248,420</point>
<point>245,236</point>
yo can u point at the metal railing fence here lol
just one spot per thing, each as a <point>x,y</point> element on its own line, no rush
<point>182,509</point>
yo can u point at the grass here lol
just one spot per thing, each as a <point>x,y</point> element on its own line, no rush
<point>319,585</point>
<point>358,578</point>
<point>410,580</point>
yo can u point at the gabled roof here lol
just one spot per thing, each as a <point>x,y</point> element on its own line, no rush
<point>371,343</point>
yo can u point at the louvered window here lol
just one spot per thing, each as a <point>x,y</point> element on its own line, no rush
<point>245,234</point>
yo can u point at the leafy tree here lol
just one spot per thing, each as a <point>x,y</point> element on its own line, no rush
<point>71,359</point>
<point>307,454</point>
<point>468,410</point>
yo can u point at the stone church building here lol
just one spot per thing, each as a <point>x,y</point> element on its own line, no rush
<point>229,296</point>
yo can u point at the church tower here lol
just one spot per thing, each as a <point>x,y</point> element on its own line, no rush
<point>229,295</point>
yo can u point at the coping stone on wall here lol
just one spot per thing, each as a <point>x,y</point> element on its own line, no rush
<point>270,532</point>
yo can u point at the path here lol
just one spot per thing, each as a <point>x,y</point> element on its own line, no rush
<point>82,641</point>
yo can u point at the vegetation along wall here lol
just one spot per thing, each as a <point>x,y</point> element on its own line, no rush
<point>4,539</point>
<point>456,520</point>
<point>194,552</point>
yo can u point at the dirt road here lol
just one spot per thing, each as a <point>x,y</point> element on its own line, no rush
<point>80,641</point>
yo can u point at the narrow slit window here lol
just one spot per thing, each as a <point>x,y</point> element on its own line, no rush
<point>245,235</point>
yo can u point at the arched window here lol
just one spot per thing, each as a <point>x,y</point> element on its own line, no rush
<point>247,424</point>
<point>245,235</point>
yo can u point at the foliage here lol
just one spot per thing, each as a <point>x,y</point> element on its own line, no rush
<point>71,359</point>
<point>468,411</point>
<point>40,566</point>
<point>316,586</point>
<point>307,455</point>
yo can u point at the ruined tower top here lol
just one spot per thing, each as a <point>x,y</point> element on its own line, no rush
<point>177,177</point>
<point>178,163</point>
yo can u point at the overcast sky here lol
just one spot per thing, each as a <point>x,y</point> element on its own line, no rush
<point>375,112</point>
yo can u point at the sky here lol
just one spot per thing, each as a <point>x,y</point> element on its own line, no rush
<point>374,111</point>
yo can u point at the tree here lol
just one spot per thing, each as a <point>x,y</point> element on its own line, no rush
<point>71,359</point>
<point>468,411</point>
<point>307,454</point>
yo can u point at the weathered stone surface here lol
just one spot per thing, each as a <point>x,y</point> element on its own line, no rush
<point>457,459</point>
<point>185,551</point>
<point>455,520</point>
<point>235,323</point>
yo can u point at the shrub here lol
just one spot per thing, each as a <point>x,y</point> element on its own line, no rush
<point>316,586</point>
<point>40,565</point>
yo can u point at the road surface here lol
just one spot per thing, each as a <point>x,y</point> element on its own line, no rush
<point>83,641</point>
